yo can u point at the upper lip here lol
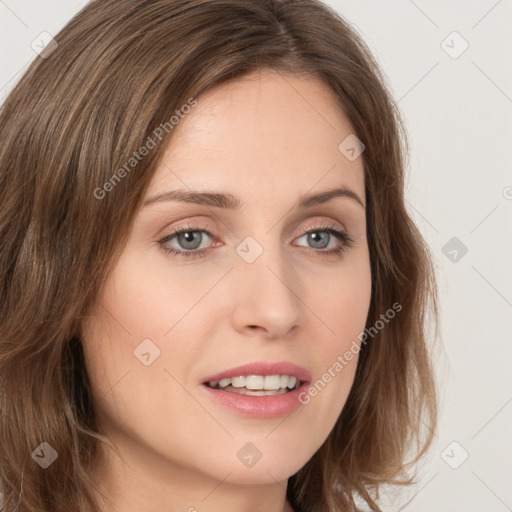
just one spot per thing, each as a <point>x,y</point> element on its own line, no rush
<point>264,369</point>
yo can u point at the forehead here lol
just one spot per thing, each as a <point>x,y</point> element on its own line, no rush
<point>264,132</point>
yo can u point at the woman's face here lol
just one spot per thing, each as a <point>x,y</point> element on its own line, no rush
<point>254,288</point>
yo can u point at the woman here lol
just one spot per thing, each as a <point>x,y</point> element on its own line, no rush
<point>213,297</point>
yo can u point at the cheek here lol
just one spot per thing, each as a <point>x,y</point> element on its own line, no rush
<point>148,300</point>
<point>343,301</point>
<point>342,306</point>
<point>143,316</point>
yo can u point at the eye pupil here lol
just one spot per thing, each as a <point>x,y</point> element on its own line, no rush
<point>188,237</point>
<point>318,236</point>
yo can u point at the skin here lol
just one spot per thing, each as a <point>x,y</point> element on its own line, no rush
<point>268,139</point>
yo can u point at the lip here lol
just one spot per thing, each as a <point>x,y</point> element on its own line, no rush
<point>270,406</point>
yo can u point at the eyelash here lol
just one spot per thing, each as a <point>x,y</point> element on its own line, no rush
<point>342,236</point>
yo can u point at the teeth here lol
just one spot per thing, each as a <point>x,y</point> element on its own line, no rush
<point>237,382</point>
<point>273,382</point>
<point>258,382</point>
<point>292,381</point>
<point>254,382</point>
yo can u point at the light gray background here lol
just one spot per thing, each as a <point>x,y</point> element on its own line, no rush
<point>458,113</point>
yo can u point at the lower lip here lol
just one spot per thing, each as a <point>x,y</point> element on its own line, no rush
<point>270,406</point>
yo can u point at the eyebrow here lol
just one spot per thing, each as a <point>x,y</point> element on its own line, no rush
<point>230,202</point>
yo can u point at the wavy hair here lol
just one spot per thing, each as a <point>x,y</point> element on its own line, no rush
<point>113,75</point>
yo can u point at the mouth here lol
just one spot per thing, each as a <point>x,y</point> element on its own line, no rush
<point>257,385</point>
<point>259,389</point>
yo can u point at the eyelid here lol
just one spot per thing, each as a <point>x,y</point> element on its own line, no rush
<point>319,222</point>
<point>195,225</point>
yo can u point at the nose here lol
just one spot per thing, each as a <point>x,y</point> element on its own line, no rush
<point>267,299</point>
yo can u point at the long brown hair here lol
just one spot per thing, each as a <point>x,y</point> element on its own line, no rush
<point>120,70</point>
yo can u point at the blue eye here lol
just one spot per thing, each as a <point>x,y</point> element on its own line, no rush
<point>191,237</point>
<point>323,235</point>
